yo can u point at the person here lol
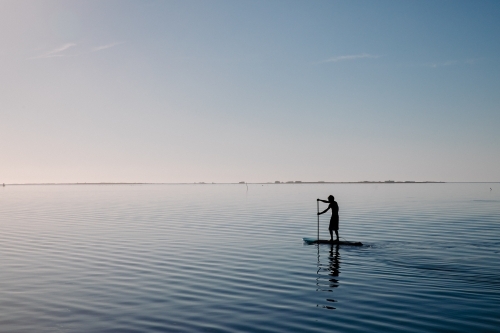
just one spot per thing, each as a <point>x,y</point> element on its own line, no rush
<point>334,220</point>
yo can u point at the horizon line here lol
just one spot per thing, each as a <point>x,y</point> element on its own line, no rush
<point>256,183</point>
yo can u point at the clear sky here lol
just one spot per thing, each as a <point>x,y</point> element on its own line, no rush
<point>256,91</point>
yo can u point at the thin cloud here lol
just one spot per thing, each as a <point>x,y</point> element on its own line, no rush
<point>103,47</point>
<point>450,63</point>
<point>441,64</point>
<point>350,57</point>
<point>56,52</point>
<point>472,61</point>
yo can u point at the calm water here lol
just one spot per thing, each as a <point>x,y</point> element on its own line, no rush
<point>219,258</point>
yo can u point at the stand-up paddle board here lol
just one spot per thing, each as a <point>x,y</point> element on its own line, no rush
<point>308,240</point>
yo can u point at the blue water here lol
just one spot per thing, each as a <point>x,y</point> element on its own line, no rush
<point>219,258</point>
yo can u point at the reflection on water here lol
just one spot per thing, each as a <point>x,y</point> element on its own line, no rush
<point>328,274</point>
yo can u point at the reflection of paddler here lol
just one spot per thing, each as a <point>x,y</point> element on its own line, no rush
<point>334,263</point>
<point>333,276</point>
<point>334,221</point>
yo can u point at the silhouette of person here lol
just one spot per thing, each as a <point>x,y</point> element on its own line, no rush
<point>334,220</point>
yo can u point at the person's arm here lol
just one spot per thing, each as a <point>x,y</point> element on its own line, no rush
<point>324,211</point>
<point>325,201</point>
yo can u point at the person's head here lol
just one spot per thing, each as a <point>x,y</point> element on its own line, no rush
<point>331,198</point>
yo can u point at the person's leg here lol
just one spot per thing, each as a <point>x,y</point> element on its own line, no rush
<point>331,234</point>
<point>336,233</point>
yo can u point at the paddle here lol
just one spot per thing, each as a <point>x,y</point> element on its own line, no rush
<point>317,207</point>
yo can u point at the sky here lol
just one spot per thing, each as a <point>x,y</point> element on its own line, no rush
<point>255,91</point>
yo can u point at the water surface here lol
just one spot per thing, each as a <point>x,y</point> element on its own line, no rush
<point>219,258</point>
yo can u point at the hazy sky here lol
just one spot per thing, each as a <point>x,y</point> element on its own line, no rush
<point>227,91</point>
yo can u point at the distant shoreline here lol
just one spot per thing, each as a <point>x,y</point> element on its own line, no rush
<point>267,183</point>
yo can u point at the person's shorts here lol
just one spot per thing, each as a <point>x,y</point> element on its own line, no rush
<point>334,223</point>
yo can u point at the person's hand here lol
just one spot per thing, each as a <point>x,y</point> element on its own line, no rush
<point>319,214</point>
<point>317,199</point>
